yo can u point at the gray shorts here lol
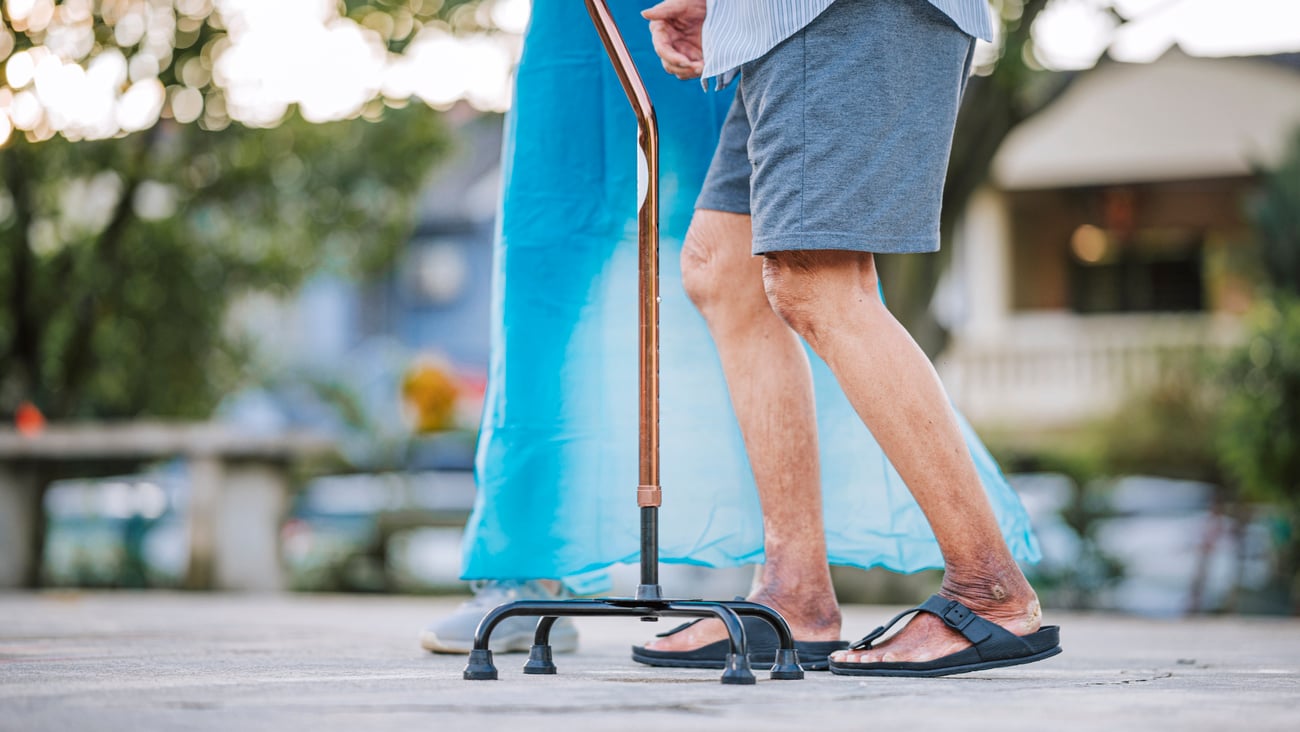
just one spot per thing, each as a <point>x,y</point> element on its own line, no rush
<point>839,136</point>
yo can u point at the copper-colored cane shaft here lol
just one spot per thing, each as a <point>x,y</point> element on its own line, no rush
<point>648,492</point>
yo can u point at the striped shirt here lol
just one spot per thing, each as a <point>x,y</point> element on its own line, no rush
<point>738,31</point>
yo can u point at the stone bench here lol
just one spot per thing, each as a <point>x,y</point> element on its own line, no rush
<point>239,491</point>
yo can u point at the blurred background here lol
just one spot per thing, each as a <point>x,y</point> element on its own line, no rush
<point>244,292</point>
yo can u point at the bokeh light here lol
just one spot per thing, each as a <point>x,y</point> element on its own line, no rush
<point>1073,34</point>
<point>272,56</point>
<point>280,54</point>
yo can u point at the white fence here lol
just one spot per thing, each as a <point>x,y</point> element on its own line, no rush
<point>1057,369</point>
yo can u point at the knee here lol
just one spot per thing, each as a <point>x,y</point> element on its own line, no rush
<point>715,256</point>
<point>701,270</point>
<point>791,289</point>
<point>811,289</point>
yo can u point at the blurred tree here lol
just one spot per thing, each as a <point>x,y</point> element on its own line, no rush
<point>995,102</point>
<point>1259,433</point>
<point>140,193</point>
<point>1275,213</point>
<point>1169,429</point>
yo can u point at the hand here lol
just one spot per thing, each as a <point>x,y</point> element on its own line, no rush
<point>675,29</point>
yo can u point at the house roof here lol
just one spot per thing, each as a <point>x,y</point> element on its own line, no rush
<point>1179,117</point>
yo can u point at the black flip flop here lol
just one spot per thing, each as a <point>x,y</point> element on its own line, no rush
<point>761,641</point>
<point>992,646</point>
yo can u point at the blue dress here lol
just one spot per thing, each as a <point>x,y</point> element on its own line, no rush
<point>557,455</point>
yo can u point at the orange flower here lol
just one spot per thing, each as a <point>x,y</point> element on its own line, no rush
<point>429,393</point>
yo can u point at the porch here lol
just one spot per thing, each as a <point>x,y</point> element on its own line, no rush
<point>1058,369</point>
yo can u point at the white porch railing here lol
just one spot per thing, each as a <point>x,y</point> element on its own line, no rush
<point>1057,369</point>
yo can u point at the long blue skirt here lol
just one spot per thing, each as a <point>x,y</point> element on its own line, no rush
<point>557,455</point>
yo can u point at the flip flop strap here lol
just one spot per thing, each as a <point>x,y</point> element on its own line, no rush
<point>688,624</point>
<point>678,629</point>
<point>865,642</point>
<point>957,616</point>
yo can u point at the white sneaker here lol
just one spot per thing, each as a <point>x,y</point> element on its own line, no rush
<point>455,632</point>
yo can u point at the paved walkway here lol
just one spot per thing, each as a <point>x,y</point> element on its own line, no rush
<point>90,661</point>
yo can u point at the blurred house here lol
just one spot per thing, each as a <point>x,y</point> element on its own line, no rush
<point>347,340</point>
<point>343,345</point>
<point>1112,236</point>
<point>439,295</point>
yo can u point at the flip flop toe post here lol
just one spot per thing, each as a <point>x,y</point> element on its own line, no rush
<point>992,646</point>
<point>762,641</point>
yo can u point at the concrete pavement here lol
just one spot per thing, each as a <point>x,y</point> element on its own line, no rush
<point>145,661</point>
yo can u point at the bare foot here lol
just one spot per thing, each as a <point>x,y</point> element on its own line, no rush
<point>1011,604</point>
<point>809,620</point>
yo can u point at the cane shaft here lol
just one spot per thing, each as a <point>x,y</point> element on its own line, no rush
<point>648,490</point>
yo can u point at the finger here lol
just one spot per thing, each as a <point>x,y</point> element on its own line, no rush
<point>661,39</point>
<point>665,41</point>
<point>689,50</point>
<point>681,62</point>
<point>690,55</point>
<point>675,70</point>
<point>691,64</point>
<point>682,72</point>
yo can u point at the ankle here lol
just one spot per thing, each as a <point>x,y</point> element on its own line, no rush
<point>815,614</point>
<point>1000,594</point>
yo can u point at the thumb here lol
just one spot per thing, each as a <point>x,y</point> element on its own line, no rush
<point>662,11</point>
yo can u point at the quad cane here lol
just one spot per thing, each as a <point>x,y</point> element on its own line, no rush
<point>649,603</point>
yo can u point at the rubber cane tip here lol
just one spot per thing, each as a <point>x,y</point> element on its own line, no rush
<point>738,670</point>
<point>787,666</point>
<point>479,667</point>
<point>539,661</point>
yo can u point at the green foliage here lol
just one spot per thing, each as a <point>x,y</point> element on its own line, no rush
<point>1259,439</point>
<point>1080,457</point>
<point>121,316</point>
<point>1169,430</point>
<point>1276,217</point>
<point>120,256</point>
<point>397,21</point>
<point>1081,460</point>
<point>1260,432</point>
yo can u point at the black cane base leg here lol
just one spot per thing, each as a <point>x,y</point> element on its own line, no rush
<point>480,666</point>
<point>737,670</point>
<point>786,666</point>
<point>539,656</point>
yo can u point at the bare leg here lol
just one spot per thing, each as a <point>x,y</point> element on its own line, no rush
<point>771,391</point>
<point>830,298</point>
